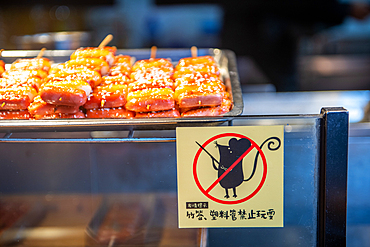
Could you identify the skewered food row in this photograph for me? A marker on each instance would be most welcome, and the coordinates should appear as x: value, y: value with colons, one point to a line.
x: 69, y: 85
x: 199, y: 88
x: 97, y: 83
x: 19, y: 86
x: 151, y: 94
x: 109, y: 98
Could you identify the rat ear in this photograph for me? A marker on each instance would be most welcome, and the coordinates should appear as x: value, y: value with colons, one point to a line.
x: 233, y: 143
x: 244, y: 143
x: 239, y: 146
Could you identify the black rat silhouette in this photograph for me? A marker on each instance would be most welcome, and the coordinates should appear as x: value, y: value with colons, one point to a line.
x: 231, y: 153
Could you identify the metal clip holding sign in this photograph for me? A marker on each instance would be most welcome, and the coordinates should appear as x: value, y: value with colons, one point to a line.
x: 333, y: 177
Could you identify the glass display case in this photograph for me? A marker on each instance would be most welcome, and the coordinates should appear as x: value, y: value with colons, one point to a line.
x: 112, y: 182
x: 118, y: 188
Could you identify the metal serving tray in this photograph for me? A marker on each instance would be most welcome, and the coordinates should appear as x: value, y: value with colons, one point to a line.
x: 225, y: 58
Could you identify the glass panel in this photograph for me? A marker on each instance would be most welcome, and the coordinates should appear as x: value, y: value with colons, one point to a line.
x: 301, y: 161
x: 65, y: 194
x: 358, y: 209
x: 89, y: 194
x: 45, y: 194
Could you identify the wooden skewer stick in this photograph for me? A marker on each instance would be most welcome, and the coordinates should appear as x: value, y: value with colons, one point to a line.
x: 194, y: 51
x: 153, y: 52
x: 106, y: 40
x: 41, y: 53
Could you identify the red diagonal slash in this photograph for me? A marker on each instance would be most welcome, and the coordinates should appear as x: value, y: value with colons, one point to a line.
x: 229, y: 169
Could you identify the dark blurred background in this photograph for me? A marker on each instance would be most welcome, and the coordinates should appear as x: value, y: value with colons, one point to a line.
x: 280, y: 45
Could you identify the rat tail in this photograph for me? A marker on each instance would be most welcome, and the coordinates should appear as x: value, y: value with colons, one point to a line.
x: 271, y: 139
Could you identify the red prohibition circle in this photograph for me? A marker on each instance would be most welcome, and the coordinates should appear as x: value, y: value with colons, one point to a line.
x: 254, y: 145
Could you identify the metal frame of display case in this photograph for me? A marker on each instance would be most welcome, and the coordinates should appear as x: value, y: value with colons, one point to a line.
x: 332, y: 201
x: 333, y: 178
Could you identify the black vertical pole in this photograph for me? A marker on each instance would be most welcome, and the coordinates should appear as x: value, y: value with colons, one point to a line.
x: 333, y: 177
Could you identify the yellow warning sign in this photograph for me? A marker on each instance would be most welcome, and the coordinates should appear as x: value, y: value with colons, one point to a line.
x: 230, y: 176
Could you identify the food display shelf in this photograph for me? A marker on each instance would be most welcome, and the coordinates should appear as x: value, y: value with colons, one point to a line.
x: 225, y: 58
